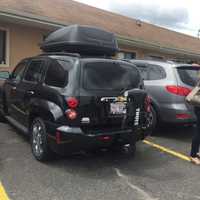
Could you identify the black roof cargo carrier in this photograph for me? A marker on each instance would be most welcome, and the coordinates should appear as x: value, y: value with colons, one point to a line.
x: 85, y: 40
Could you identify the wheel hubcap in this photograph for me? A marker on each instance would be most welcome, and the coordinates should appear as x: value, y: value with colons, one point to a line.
x: 150, y: 119
x: 37, y: 138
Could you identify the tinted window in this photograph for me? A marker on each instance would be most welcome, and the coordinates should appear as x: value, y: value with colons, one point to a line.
x: 156, y: 72
x: 189, y: 75
x: 4, y: 75
x: 143, y: 71
x: 126, y: 55
x: 57, y: 73
x: 110, y: 76
x: 19, y: 71
x: 34, y: 72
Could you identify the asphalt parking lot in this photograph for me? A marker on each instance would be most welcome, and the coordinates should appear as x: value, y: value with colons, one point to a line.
x: 151, y: 175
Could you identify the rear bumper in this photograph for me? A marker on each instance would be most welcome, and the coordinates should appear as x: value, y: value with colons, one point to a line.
x: 177, y: 113
x: 73, y: 139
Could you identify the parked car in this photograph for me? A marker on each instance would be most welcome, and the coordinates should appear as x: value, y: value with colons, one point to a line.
x: 168, y: 84
x: 3, y: 76
x: 67, y: 102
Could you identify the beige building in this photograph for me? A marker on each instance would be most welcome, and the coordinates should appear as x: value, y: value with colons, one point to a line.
x: 25, y: 23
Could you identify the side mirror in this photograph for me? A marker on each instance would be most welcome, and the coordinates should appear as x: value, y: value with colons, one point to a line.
x: 4, y: 75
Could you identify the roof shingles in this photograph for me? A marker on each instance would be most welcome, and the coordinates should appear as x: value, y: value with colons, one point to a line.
x: 70, y: 12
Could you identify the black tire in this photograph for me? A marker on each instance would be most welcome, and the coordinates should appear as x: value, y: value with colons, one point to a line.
x: 4, y: 112
x: 2, y: 119
x: 152, y: 121
x: 39, y: 140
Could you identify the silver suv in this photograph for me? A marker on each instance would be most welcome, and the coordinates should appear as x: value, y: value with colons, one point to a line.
x: 168, y: 84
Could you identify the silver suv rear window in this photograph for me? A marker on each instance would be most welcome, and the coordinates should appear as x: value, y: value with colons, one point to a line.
x: 189, y: 75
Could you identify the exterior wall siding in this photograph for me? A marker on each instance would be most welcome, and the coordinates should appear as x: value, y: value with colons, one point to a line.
x: 23, y: 42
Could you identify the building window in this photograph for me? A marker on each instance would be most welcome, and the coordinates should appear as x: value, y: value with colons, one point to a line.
x: 3, y: 47
x: 126, y: 55
x: 155, y: 57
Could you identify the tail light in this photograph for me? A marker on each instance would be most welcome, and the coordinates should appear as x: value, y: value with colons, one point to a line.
x: 148, y: 104
x: 183, y: 116
x: 71, y: 114
x: 178, y: 90
x: 72, y: 102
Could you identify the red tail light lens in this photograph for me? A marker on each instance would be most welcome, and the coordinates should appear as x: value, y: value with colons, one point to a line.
x: 148, y: 104
x: 183, y: 116
x: 72, y: 102
x: 71, y: 114
x: 178, y: 90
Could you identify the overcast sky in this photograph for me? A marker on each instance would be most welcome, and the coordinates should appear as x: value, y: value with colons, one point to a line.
x: 178, y: 15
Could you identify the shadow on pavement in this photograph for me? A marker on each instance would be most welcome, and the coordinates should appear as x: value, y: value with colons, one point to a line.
x: 99, y: 165
x: 102, y: 165
x: 178, y: 132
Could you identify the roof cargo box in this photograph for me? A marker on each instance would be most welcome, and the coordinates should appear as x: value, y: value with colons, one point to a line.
x: 85, y: 40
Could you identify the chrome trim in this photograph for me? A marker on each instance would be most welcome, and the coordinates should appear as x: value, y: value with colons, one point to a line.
x: 18, y: 109
x: 67, y: 129
x: 108, y: 98
x: 85, y: 120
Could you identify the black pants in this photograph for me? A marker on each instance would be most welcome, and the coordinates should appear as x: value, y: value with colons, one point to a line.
x: 196, y: 137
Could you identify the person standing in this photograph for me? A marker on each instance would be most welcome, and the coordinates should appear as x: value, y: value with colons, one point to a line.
x: 195, y: 156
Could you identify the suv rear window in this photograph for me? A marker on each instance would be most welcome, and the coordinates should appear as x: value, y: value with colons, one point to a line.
x: 189, y: 75
x: 110, y: 76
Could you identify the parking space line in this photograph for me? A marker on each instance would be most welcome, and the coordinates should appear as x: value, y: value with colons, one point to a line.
x: 3, y: 194
x: 143, y: 194
x: 169, y: 151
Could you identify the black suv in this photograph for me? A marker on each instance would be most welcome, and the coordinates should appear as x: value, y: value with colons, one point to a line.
x: 67, y: 103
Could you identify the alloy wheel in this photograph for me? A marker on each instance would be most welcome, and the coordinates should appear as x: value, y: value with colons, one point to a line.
x: 37, y: 140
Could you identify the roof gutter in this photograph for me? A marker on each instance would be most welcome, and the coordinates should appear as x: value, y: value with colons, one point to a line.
x: 156, y: 46
x: 30, y: 18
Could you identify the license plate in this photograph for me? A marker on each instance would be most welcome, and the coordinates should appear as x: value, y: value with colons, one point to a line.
x: 117, y: 108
